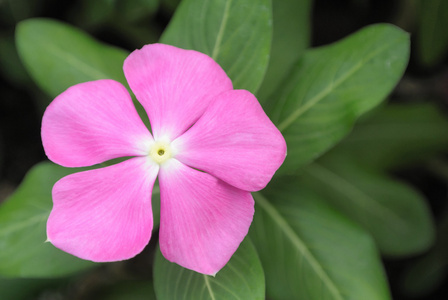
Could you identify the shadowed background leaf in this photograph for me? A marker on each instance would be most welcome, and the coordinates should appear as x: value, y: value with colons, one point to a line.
x: 432, y: 41
x: 127, y: 290
x: 396, y: 135
x: 396, y: 215
x: 25, y: 288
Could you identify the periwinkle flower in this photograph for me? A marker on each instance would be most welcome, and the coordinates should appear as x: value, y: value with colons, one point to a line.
x: 210, y: 147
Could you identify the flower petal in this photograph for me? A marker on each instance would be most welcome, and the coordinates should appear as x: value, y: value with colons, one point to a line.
x: 202, y: 219
x: 235, y: 141
x: 174, y: 86
x: 93, y: 122
x: 104, y: 214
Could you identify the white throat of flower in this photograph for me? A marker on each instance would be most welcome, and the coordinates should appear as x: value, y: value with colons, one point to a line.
x: 161, y: 151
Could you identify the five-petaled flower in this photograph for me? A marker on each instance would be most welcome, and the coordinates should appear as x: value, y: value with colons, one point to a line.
x: 210, y: 147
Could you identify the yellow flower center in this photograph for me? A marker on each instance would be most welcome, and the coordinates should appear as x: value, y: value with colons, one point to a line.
x: 160, y: 152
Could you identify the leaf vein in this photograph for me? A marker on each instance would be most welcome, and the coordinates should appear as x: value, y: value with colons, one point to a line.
x: 220, y: 35
x: 209, y: 288
x: 326, y: 91
x: 299, y: 244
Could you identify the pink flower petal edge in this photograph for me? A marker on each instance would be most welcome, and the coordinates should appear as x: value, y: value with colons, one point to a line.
x: 200, y: 124
x: 174, y: 85
x: 104, y: 214
x: 235, y: 141
x: 203, y: 220
x: 93, y: 122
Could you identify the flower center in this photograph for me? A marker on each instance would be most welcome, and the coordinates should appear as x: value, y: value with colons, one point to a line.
x: 160, y: 152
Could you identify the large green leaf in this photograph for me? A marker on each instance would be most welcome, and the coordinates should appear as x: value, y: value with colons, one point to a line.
x: 432, y: 38
x: 58, y: 55
x: 310, y: 251
x: 290, y: 38
x: 396, y: 135
x: 242, y: 278
x: 396, y: 215
x: 23, y: 216
x: 235, y: 33
x: 333, y: 85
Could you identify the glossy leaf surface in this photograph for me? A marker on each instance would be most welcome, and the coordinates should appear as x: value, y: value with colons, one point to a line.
x: 396, y: 135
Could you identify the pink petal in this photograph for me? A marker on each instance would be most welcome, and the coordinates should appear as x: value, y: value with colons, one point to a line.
x: 93, y: 122
x: 104, y: 214
x: 174, y: 86
x: 202, y: 219
x: 235, y: 141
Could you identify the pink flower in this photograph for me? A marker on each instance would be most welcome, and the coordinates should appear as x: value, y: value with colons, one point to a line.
x: 210, y: 146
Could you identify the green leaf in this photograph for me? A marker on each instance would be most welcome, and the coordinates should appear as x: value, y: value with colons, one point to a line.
x: 310, y: 251
x: 13, y: 11
x: 242, y: 278
x: 432, y: 41
x: 58, y: 55
x: 333, y: 85
x: 397, y: 216
x: 92, y: 14
x: 169, y: 5
x: 133, y: 11
x: 425, y: 276
x: 428, y: 272
x: 235, y: 33
x: 290, y: 38
x: 23, y: 217
x: 396, y: 135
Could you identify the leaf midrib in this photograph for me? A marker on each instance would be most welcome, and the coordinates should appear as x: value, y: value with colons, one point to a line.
x: 299, y: 244
x: 209, y: 288
x: 222, y: 26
